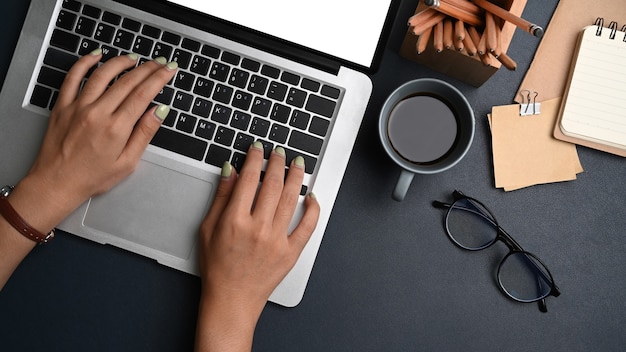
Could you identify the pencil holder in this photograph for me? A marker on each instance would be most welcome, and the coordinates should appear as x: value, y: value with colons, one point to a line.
x: 460, y: 64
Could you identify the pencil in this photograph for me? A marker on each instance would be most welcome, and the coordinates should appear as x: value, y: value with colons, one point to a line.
x: 459, y: 30
x: 428, y: 22
x: 490, y: 29
x: 481, y: 47
x: 455, y: 12
x: 422, y: 40
x: 448, y: 34
x: 467, y: 6
x: 470, y: 47
x: 509, y: 17
x: 507, y: 61
x: 498, y: 49
x: 438, y: 36
x: 421, y: 17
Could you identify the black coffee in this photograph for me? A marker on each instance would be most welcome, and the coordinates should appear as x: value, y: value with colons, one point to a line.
x: 422, y: 128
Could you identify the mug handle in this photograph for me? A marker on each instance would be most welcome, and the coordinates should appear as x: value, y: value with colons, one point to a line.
x: 402, y: 185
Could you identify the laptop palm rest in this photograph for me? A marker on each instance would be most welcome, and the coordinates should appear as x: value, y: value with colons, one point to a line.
x: 156, y: 207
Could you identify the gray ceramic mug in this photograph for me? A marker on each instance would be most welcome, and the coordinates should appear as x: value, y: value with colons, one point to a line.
x: 426, y: 126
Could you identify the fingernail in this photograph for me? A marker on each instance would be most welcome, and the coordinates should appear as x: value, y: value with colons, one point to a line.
x: 161, y: 60
x: 173, y: 65
x: 161, y: 112
x: 280, y: 151
x: 227, y: 169
x: 258, y: 145
x: 96, y: 52
x: 299, y: 161
x: 133, y: 56
x: 312, y: 195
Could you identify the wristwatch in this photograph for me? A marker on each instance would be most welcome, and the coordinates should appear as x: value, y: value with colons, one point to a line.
x: 7, y: 211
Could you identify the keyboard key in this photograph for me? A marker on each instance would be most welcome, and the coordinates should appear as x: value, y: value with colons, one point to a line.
x: 240, y: 120
x: 111, y: 18
x: 224, y: 136
x: 108, y: 53
x: 219, y: 71
x: 277, y: 91
x: 165, y: 96
x: 242, y: 100
x: 243, y: 142
x: 190, y: 44
x: 330, y: 92
x: 66, y: 20
x: 72, y: 5
x: 183, y: 58
x: 260, y: 127
x: 179, y: 143
x: 51, y: 77
x: 211, y: 51
x: 320, y: 106
x: 270, y: 71
x: 217, y: 155
x: 163, y: 50
x: 123, y: 39
x: 184, y: 80
x: 85, y: 26
x: 104, y: 33
x: 300, y: 119
x: 279, y: 133
x: 296, y: 97
x: 87, y: 46
x: 202, y: 107
x: 238, y: 160
x: 64, y: 40
x: 170, y: 38
x: 221, y: 114
x: 230, y: 58
x: 311, y: 85
x: 223, y: 93
x: 205, y: 129
x: 258, y: 84
x: 131, y: 25
x: 151, y: 32
x: 59, y: 59
x: 261, y: 107
x: 41, y: 96
x: 171, y: 118
x: 319, y: 126
x: 239, y: 78
x: 200, y: 65
x: 55, y: 96
x: 203, y: 87
x: 182, y: 101
x: 143, y: 46
x: 309, y: 161
x: 186, y: 123
x: 250, y: 65
x: 305, y: 142
x: 290, y: 78
x: 280, y: 113
x: 91, y: 11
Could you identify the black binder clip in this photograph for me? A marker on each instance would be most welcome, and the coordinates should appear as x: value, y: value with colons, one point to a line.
x: 529, y: 105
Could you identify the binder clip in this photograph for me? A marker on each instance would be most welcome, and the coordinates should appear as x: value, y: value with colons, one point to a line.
x: 529, y: 105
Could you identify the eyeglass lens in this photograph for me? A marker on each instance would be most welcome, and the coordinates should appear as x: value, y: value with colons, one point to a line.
x: 521, y: 275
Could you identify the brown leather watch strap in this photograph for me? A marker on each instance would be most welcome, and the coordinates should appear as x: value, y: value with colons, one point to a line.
x: 13, y: 218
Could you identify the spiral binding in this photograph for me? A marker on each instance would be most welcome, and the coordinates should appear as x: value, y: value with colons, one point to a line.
x: 612, y: 26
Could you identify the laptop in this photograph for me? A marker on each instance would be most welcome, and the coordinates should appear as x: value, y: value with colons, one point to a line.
x: 282, y: 72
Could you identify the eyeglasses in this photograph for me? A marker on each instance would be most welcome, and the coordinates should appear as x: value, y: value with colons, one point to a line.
x: 470, y: 225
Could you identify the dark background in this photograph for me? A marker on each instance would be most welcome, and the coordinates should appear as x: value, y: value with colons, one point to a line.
x: 386, y: 277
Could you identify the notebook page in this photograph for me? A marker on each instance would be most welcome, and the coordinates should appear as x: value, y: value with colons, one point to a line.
x: 595, y: 108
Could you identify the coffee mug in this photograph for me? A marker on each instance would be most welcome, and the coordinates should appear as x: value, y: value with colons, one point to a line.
x: 426, y: 126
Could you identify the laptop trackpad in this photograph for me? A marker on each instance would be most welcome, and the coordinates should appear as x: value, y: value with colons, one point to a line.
x: 156, y: 207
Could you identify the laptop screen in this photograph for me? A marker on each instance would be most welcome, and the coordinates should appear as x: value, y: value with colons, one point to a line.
x: 347, y: 29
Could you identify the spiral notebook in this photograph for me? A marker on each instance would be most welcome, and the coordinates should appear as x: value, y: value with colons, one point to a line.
x: 593, y: 111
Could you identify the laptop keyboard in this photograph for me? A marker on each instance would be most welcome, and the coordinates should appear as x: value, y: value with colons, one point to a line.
x: 220, y: 101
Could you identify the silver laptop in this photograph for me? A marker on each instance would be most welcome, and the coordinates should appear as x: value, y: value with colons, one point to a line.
x: 286, y: 73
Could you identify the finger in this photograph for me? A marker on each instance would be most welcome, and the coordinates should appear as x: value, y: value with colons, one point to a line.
x: 248, y: 181
x: 135, y: 101
x: 272, y: 186
x: 143, y: 132
x: 74, y: 78
x: 303, y: 231
x: 222, y: 198
x: 135, y: 80
x: 290, y: 195
x: 102, y: 77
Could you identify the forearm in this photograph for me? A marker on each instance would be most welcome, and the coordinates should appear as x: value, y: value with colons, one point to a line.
x: 225, y: 324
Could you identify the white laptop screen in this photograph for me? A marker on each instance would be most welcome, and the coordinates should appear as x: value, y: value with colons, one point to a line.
x: 347, y: 29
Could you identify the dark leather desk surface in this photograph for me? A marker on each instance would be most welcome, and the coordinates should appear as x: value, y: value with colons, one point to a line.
x: 386, y: 278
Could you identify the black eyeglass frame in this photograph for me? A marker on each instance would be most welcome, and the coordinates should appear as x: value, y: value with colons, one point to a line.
x: 505, y: 237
